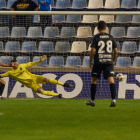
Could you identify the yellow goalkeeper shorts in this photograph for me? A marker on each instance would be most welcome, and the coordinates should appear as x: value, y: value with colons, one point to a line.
x: 37, y: 79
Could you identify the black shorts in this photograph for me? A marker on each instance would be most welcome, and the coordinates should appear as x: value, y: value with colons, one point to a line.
x: 108, y: 70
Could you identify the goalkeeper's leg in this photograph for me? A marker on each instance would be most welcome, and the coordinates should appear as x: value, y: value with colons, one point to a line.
x: 53, y: 81
x: 48, y: 93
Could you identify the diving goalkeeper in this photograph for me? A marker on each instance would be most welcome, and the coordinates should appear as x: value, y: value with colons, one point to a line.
x: 22, y: 75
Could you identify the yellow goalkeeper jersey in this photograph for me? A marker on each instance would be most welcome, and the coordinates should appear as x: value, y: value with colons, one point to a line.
x: 21, y: 74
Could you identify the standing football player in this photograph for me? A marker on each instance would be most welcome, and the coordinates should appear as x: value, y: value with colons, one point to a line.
x: 104, y: 50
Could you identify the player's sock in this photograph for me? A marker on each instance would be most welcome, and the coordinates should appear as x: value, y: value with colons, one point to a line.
x: 113, y: 90
x: 93, y: 91
x: 2, y: 86
x: 49, y: 93
x: 52, y: 81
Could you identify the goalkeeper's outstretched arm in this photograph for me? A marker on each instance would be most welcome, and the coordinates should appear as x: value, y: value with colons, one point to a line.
x: 5, y: 65
x: 31, y: 64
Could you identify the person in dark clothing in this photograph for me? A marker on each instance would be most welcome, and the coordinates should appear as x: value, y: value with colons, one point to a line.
x: 24, y: 5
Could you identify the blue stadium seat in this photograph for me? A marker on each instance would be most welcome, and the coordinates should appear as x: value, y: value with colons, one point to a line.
x: 138, y: 49
x: 2, y: 4
x: 6, y: 59
x: 51, y: 32
x: 62, y: 46
x: 12, y: 46
x: 5, y: 19
x: 112, y: 4
x: 58, y: 18
x: 36, y: 1
x: 138, y: 6
x: 123, y: 62
x: 118, y: 46
x: 123, y: 19
x: 129, y: 47
x: 1, y: 46
x: 34, y: 32
x: 23, y: 59
x: 136, y: 61
x: 45, y: 46
x: 90, y: 19
x: 10, y: 3
x: 56, y: 61
x: 18, y: 32
x: 4, y: 32
x: 136, y: 19
x: 85, y: 62
x: 95, y: 4
x: 78, y: 47
x: 133, y: 32
x: 73, y: 19
x: 107, y: 18
x: 41, y: 64
x: 128, y: 4
x: 28, y: 46
x: 36, y: 19
x: 67, y: 32
x: 62, y: 4
x: 117, y: 32
x: 73, y: 61
x: 79, y: 4
x: 84, y: 32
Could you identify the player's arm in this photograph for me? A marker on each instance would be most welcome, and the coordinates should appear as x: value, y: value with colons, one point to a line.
x: 6, y: 74
x: 5, y: 65
x: 30, y: 64
x: 92, y: 52
x: 115, y: 55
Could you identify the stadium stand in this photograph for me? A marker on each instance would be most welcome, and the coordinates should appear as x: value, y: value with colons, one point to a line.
x: 118, y: 46
x: 4, y: 32
x: 62, y: 47
x: 58, y: 19
x: 136, y: 61
x: 95, y: 4
x: 2, y: 4
x: 10, y: 3
x: 6, y: 59
x: 123, y: 62
x: 90, y: 19
x: 107, y: 18
x: 85, y: 62
x: 96, y: 31
x: 12, y: 46
x: 117, y: 32
x: 23, y: 59
x: 36, y: 19
x: 29, y: 46
x: 73, y: 19
x: 73, y: 61
x: 67, y: 32
x: 1, y: 47
x: 45, y: 46
x: 56, y: 61
x: 123, y: 19
x: 128, y: 4
x: 42, y: 64
x: 136, y: 19
x: 51, y: 32
x: 112, y: 4
x: 84, y: 32
x: 62, y: 4
x: 34, y: 32
x: 79, y: 4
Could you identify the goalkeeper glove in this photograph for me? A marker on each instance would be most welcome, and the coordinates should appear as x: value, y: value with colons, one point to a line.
x: 42, y: 58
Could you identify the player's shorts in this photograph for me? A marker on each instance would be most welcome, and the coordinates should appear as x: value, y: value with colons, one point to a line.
x: 107, y: 69
x: 37, y: 79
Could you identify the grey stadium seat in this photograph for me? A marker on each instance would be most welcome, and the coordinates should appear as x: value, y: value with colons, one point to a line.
x: 41, y: 64
x: 62, y: 46
x: 62, y: 4
x: 23, y: 59
x: 34, y: 32
x: 123, y: 19
x: 12, y: 46
x: 2, y: 4
x: 4, y: 32
x: 136, y: 19
x: 45, y: 46
x: 28, y: 46
x: 73, y: 19
x: 73, y: 61
x: 1, y: 47
x: 136, y: 62
x: 117, y: 32
x: 128, y: 4
x: 67, y: 32
x: 56, y: 61
x: 6, y: 59
x: 58, y: 18
x: 51, y: 32
x: 79, y: 4
x: 123, y: 62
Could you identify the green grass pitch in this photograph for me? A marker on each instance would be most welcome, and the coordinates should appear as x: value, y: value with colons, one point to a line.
x: 69, y: 119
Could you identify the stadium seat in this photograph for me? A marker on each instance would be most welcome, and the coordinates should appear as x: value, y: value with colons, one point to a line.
x: 128, y: 4
x: 136, y: 61
x: 62, y: 46
x: 117, y: 32
x: 6, y: 59
x: 23, y: 59
x: 2, y: 4
x: 138, y: 6
x: 58, y: 18
x: 18, y: 32
x: 73, y: 61
x: 107, y: 18
x: 78, y: 47
x: 56, y: 61
x: 112, y: 4
x: 36, y: 1
x: 95, y: 4
x: 62, y: 4
x: 4, y: 32
x: 89, y: 48
x: 51, y: 32
x: 129, y: 47
x: 45, y: 46
x: 36, y: 19
x: 123, y: 19
x: 10, y: 3
x: 136, y: 19
x: 79, y: 4
x: 133, y: 32
x: 12, y: 46
x: 118, y: 46
x: 85, y: 62
x: 90, y: 19
x: 67, y: 32
x: 73, y: 19
x: 1, y: 46
x: 34, y: 32
x: 41, y: 64
x: 5, y: 19
x: 96, y: 31
x: 138, y: 49
x: 84, y: 32
x: 123, y: 62
x: 28, y: 46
